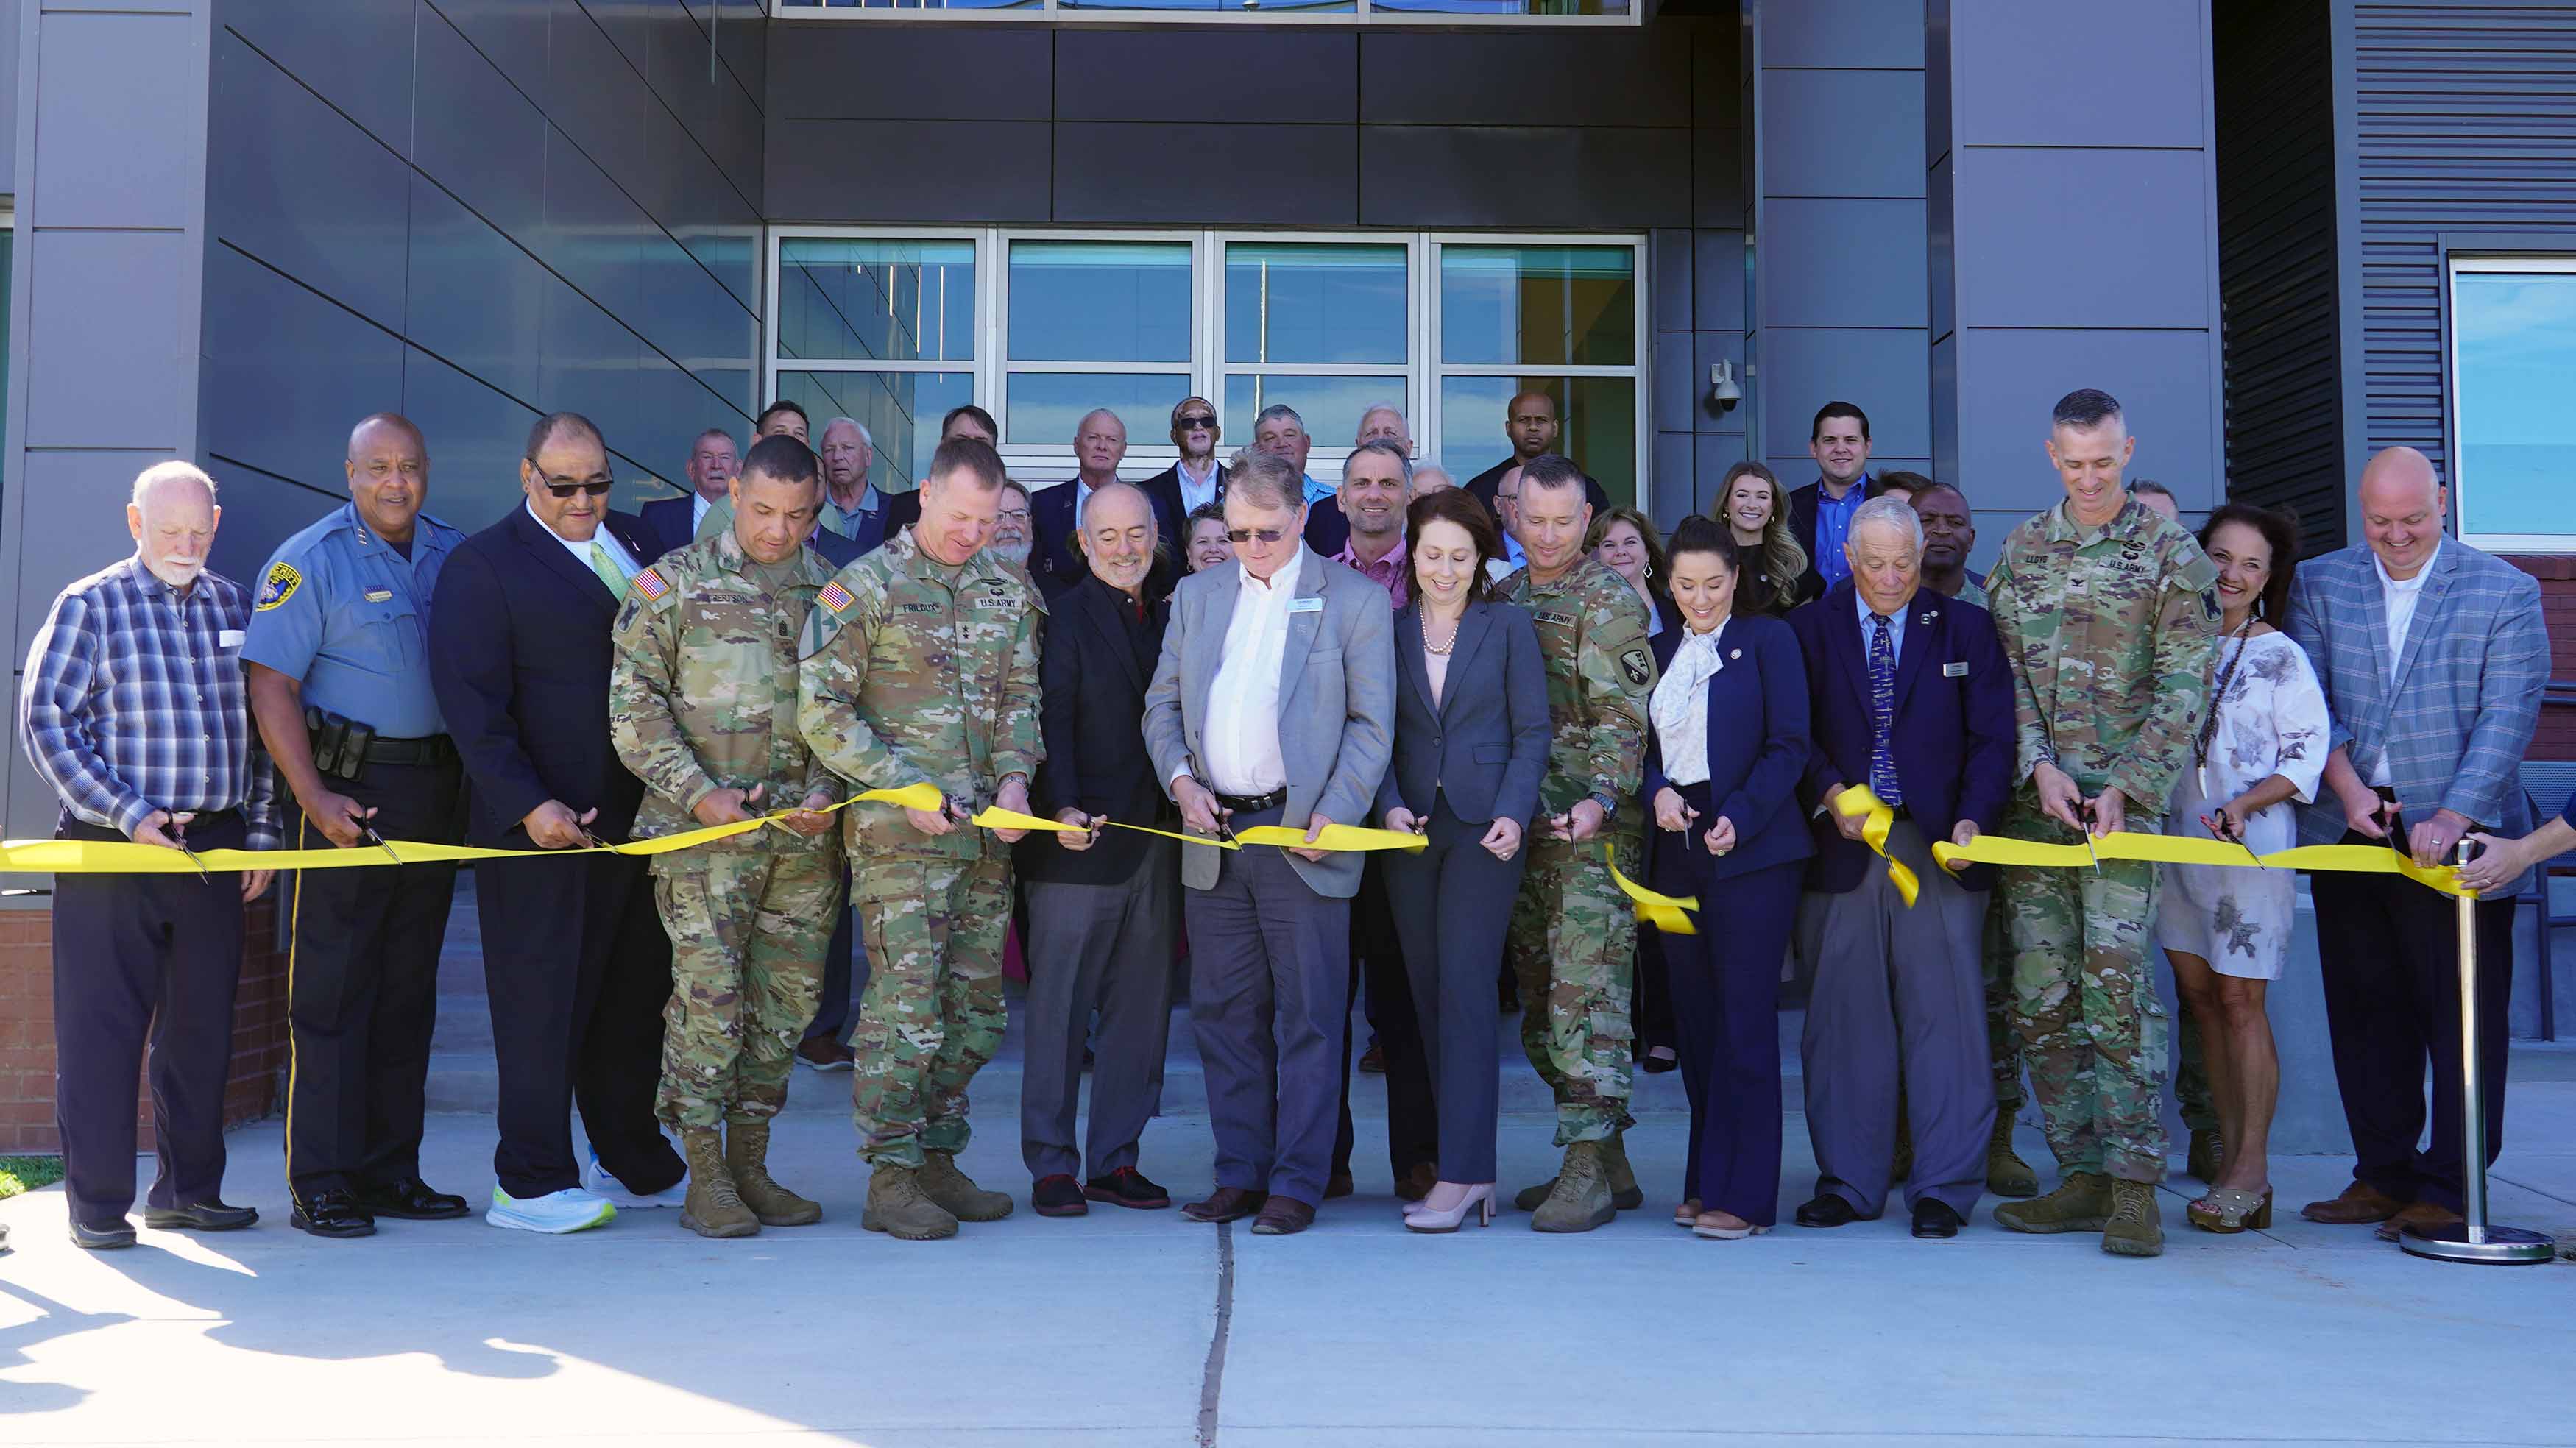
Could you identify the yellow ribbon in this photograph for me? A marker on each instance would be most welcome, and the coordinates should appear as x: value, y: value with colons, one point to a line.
x: 87, y: 857
x: 1664, y: 912
x: 1859, y: 799
x: 2187, y: 850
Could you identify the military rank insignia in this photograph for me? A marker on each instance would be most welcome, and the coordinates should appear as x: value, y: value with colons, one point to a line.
x: 1638, y: 666
x: 651, y: 584
x: 277, y: 587
x: 835, y: 597
x: 2209, y: 604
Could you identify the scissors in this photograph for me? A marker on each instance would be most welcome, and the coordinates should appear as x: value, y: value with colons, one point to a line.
x: 379, y: 842
x: 2225, y: 829
x: 179, y: 831
x: 2087, y: 833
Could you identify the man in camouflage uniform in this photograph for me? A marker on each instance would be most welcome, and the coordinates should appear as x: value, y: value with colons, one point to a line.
x: 921, y: 664
x: 703, y: 710
x: 1572, y: 944
x: 2109, y: 614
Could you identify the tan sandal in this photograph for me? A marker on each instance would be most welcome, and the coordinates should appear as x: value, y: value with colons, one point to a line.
x: 2227, y: 1211
x: 1687, y: 1214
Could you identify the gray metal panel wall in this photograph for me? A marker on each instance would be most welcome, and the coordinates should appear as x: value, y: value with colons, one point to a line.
x: 2273, y: 67
x: 2463, y: 120
x: 473, y: 212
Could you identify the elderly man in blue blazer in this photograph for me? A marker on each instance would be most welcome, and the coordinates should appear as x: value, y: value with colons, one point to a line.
x: 1272, y: 703
x: 2434, y: 657
x: 1910, y: 695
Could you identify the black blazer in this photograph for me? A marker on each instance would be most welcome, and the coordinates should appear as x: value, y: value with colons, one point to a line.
x: 1802, y: 522
x: 519, y: 655
x: 1094, y: 673
x: 1165, y: 489
x: 1485, y: 484
x: 665, y: 526
x: 1757, y: 753
x: 1951, y: 731
x: 1485, y: 744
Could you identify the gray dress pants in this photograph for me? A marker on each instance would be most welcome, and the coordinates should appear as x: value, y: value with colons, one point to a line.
x: 1106, y: 948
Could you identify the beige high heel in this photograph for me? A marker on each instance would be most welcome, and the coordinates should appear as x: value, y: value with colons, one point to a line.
x: 1479, y: 1199
x: 2227, y: 1211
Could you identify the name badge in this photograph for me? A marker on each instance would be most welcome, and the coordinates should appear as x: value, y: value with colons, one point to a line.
x: 1954, y: 671
x: 1305, y: 605
x: 229, y: 638
x: 379, y: 595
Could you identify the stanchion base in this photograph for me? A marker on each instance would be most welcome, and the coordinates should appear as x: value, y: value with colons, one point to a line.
x: 2502, y: 1245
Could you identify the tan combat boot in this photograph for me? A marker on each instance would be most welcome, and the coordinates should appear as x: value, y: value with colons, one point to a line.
x: 713, y: 1208
x: 956, y: 1192
x: 897, y: 1207
x: 2007, y: 1175
x: 1581, y: 1200
x: 2137, y: 1226
x: 2207, y: 1155
x: 1625, y: 1194
x: 2081, y: 1203
x: 1530, y: 1198
x: 747, y: 1158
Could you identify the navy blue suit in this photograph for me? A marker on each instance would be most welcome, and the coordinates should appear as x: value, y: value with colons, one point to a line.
x: 574, y: 957
x: 1725, y: 980
x: 1951, y: 732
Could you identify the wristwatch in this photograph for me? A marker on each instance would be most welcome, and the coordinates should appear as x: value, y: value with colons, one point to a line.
x: 1609, y: 805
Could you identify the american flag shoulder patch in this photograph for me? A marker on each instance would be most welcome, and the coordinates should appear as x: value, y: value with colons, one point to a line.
x: 651, y: 584
x: 836, y: 598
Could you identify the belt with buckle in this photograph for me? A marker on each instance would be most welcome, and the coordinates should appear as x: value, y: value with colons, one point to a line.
x: 429, y: 749
x: 1253, y: 803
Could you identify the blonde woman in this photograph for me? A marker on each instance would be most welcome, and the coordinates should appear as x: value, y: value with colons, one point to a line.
x: 1755, y: 510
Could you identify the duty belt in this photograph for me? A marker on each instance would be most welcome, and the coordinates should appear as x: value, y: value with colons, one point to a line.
x: 429, y: 749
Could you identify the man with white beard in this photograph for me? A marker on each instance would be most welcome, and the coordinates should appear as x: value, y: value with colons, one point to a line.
x: 136, y: 712
x: 1011, y: 528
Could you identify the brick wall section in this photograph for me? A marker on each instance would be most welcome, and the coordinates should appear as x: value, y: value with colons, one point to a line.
x: 2556, y: 737
x: 27, y: 1030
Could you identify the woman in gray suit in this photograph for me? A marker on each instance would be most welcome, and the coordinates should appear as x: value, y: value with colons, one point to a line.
x: 1471, y: 740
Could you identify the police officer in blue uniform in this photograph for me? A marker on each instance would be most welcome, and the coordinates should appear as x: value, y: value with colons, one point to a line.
x: 339, y: 685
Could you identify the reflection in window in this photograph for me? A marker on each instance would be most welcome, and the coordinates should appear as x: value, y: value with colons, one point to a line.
x: 1329, y: 406
x: 1045, y: 408
x: 1539, y: 304
x: 1596, y: 425
x: 885, y: 301
x: 1099, y: 301
x: 1504, y: 7
x: 2515, y: 335
x: 900, y: 410
x: 1327, y: 304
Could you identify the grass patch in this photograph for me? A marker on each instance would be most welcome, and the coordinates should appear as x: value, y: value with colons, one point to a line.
x: 27, y: 1173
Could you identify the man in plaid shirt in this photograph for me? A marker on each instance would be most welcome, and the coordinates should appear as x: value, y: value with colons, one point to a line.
x: 134, y: 710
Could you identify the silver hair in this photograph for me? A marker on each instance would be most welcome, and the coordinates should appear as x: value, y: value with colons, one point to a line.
x: 854, y: 422
x: 1445, y: 475
x: 1267, y: 480
x: 1893, y: 512
x: 1383, y: 448
x: 1275, y: 411
x: 173, y: 471
x: 1084, y: 421
x: 1374, y: 408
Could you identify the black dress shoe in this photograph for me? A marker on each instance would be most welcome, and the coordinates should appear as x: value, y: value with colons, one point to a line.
x: 333, y: 1214
x: 1127, y: 1187
x: 118, y: 1233
x: 1830, y: 1210
x: 1226, y: 1204
x: 1935, y: 1219
x: 1058, y: 1196
x: 411, y: 1201
x: 1339, y: 1184
x: 206, y: 1216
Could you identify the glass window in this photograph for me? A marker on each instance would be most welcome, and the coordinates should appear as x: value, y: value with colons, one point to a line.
x: 1100, y: 301
x: 1596, y: 425
x: 1046, y: 407
x: 900, y: 410
x: 884, y: 301
x: 1315, y: 304
x: 1569, y: 305
x: 2514, y: 335
x: 1503, y: 7
x: 1329, y: 406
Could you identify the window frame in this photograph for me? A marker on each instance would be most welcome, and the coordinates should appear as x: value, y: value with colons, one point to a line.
x: 2554, y: 255
x: 1049, y: 12
x: 1149, y: 447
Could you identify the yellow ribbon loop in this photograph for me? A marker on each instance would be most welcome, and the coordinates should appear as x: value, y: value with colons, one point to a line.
x: 1859, y: 799
x: 1666, y: 913
x: 2186, y: 850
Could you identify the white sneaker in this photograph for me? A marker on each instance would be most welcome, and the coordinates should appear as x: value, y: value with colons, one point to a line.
x: 569, y: 1210
x: 600, y: 1182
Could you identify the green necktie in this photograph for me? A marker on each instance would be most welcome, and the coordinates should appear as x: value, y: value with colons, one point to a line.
x: 606, y: 567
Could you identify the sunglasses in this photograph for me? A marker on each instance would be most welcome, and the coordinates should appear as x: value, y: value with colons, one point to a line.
x: 1245, y: 535
x: 566, y: 490
x: 1195, y: 422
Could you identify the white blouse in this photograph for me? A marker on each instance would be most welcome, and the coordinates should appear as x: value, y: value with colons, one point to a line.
x: 1680, y: 705
x: 2272, y: 720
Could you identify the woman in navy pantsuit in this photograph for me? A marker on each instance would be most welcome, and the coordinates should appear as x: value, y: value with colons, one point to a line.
x: 1471, y: 741
x: 1722, y: 767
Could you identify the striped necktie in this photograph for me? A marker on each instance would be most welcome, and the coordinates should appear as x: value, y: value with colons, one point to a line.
x: 1882, y: 711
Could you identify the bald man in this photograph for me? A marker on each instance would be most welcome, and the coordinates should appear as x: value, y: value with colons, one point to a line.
x: 1530, y: 425
x: 2434, y: 658
x: 1056, y: 513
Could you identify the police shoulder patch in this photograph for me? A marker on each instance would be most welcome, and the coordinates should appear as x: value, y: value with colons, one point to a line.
x: 1639, y: 666
x: 277, y: 587
x: 652, y: 585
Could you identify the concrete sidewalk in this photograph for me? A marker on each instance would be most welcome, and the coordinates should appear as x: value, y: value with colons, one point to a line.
x: 1138, y: 1328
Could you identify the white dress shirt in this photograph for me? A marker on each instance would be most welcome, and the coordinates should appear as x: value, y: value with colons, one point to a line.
x: 1242, y: 735
x: 2398, y: 597
x: 1895, y: 631
x: 1680, y: 705
x: 1196, y: 493
x: 697, y: 511
x: 580, y: 551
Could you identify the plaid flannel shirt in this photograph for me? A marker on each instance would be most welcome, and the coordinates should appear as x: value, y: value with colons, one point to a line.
x: 135, y: 700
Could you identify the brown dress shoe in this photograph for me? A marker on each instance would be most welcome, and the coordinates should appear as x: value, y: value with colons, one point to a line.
x: 2360, y: 1203
x: 1416, y: 1184
x: 1339, y: 1184
x: 1283, y: 1217
x: 1226, y: 1204
x: 2427, y: 1215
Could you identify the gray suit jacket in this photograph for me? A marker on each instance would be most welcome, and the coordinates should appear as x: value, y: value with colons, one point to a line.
x: 1485, y: 743
x: 1336, y: 704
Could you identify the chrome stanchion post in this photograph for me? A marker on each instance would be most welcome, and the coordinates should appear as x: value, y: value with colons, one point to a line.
x: 2471, y: 1239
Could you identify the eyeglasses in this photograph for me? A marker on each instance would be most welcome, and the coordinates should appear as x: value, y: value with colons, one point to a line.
x: 565, y: 490
x: 1195, y: 422
x: 1246, y: 535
